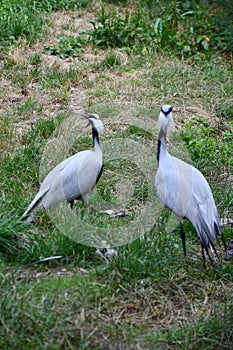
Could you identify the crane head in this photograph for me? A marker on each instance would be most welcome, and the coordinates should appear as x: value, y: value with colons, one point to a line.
x: 165, y: 120
x: 95, y: 122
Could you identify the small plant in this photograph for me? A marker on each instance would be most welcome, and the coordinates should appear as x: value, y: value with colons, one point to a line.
x: 58, y: 5
x: 6, y: 135
x: 68, y: 46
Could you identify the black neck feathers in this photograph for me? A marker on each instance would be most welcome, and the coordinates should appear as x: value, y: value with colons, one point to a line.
x: 95, y: 136
x: 158, y: 150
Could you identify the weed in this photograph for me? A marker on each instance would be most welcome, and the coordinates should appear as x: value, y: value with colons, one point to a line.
x: 17, y: 74
x: 222, y: 19
x: 202, y: 335
x: 12, y: 240
x: 68, y: 46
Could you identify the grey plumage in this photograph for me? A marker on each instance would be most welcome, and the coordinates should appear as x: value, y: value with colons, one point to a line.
x: 72, y: 179
x: 184, y: 190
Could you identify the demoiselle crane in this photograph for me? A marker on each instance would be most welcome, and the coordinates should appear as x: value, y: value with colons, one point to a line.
x: 184, y: 190
x: 72, y: 179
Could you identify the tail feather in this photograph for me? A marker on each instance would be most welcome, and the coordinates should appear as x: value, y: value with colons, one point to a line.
x: 209, y: 234
x: 36, y: 201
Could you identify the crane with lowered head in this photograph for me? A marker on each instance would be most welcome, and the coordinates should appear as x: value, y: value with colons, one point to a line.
x: 184, y: 190
x: 72, y: 179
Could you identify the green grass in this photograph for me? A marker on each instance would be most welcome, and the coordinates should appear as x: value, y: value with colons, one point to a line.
x: 27, y: 18
x: 19, y: 19
x: 145, y: 296
x: 56, y: 79
x: 82, y: 310
x: 144, y: 285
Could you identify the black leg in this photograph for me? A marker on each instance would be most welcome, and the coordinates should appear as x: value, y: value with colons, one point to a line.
x: 207, y: 251
x: 71, y: 204
x: 224, y: 243
x: 182, y: 235
x: 203, y: 256
x: 203, y: 249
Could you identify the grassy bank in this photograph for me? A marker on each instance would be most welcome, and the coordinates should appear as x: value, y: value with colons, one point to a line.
x: 66, y: 63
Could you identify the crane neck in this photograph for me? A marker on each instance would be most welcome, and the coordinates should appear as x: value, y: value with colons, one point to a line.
x: 162, y: 143
x: 95, y: 137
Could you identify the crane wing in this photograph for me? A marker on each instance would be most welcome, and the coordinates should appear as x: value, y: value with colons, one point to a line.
x: 203, y: 212
x: 174, y: 184
x: 51, y: 191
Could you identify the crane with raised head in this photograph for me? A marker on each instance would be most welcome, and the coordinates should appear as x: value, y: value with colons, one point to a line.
x: 184, y: 190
